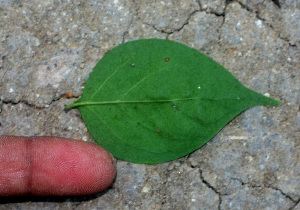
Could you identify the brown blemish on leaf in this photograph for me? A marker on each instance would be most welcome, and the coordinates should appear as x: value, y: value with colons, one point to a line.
x: 157, y: 130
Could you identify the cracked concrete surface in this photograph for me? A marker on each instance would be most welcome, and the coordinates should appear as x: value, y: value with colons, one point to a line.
x: 49, y: 48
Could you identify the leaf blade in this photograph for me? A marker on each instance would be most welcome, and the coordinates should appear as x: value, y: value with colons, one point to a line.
x: 158, y: 100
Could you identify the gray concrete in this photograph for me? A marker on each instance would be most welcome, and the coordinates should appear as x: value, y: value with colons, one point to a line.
x: 48, y: 48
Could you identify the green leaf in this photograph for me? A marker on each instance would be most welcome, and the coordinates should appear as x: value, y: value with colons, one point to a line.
x: 151, y: 101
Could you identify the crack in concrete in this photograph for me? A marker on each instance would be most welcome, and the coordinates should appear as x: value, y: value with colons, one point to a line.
x: 201, y: 9
x: 227, y: 2
x: 284, y: 194
x: 222, y: 14
x: 293, y: 207
x: 204, y: 181
x: 126, y: 31
x: 212, y: 188
x: 270, y: 187
x: 247, y: 183
x: 135, y: 14
x: 218, y: 14
x: 277, y: 3
x: 296, y: 202
x: 172, y: 30
x: 257, y: 14
x: 201, y: 6
x: 27, y: 103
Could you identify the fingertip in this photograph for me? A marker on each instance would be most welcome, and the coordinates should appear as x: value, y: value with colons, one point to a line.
x: 106, y: 169
x: 54, y: 166
x: 72, y: 167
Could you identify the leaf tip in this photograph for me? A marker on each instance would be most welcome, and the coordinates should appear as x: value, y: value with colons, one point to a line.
x: 273, y: 102
x: 276, y: 103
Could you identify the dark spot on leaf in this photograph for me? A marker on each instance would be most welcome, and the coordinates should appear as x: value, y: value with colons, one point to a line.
x: 167, y: 59
x: 157, y: 130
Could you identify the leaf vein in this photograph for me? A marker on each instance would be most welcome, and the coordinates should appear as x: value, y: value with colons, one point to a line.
x: 87, y: 103
x: 149, y: 75
x: 108, y: 78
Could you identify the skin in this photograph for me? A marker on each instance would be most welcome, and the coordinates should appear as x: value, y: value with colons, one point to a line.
x: 52, y: 166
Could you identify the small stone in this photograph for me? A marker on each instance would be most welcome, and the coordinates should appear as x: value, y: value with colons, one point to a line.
x: 146, y: 189
x: 81, y: 65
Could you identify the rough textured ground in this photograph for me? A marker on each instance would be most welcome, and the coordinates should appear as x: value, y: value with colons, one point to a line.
x: 48, y: 48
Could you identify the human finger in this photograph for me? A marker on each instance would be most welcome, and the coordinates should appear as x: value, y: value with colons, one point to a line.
x: 53, y: 166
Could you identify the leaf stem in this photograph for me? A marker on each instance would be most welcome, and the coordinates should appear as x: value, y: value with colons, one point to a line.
x: 125, y: 102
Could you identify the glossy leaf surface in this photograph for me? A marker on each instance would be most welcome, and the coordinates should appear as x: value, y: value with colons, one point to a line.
x: 151, y: 101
